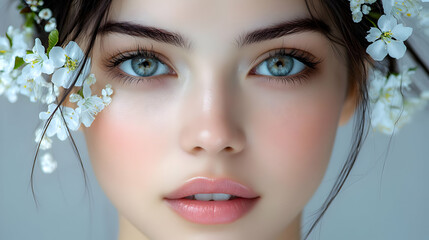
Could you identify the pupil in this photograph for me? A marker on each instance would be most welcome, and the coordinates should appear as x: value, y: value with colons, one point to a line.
x: 280, y: 65
x: 144, y: 66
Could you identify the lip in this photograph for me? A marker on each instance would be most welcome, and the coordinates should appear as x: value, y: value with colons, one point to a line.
x: 209, y: 185
x: 212, y: 212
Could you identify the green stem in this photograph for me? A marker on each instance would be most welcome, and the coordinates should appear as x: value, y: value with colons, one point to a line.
x: 374, y: 15
x: 373, y: 23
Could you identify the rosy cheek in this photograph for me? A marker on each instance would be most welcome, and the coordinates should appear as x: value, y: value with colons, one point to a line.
x: 123, y: 148
x: 297, y: 141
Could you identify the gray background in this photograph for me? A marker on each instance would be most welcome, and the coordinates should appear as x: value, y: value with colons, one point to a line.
x: 385, y: 197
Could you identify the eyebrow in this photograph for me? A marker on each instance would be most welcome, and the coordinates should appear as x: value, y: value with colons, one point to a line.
x: 283, y: 29
x: 176, y: 39
x: 132, y: 29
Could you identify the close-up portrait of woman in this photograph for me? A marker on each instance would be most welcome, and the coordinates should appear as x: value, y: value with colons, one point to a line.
x: 214, y: 120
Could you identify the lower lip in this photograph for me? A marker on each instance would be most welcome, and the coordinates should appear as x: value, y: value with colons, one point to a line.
x: 212, y: 212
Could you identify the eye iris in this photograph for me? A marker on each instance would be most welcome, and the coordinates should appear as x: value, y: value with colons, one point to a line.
x: 280, y: 65
x: 144, y: 66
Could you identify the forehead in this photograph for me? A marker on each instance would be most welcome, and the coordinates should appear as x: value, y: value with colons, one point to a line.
x: 208, y: 19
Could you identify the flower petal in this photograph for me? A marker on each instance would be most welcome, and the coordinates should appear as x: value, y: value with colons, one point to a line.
x: 52, y: 128
x: 30, y: 57
x: 373, y: 34
x: 48, y: 66
x: 58, y: 56
x: 73, y: 51
x: 60, y: 77
x: 377, y: 50
x: 401, y: 33
x: 86, y: 91
x: 38, y: 47
x: 71, y: 118
x: 84, y: 74
x: 61, y: 132
x: 87, y: 119
x: 387, y: 6
x: 4, y: 44
x: 75, y: 97
x: 386, y: 23
x: 396, y: 49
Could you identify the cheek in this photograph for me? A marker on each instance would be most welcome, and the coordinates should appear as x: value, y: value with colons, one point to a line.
x: 295, y: 135
x: 123, y: 147
x: 300, y: 140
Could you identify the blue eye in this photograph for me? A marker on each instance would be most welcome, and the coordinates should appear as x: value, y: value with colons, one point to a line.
x: 141, y: 66
x: 280, y: 65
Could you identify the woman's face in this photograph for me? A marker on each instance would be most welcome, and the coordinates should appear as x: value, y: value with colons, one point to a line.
x: 209, y: 102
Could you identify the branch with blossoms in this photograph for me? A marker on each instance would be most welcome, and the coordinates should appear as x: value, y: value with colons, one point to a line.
x: 40, y: 73
x: 390, y: 108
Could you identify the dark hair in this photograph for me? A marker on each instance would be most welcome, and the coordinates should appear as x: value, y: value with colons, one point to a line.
x: 73, y: 17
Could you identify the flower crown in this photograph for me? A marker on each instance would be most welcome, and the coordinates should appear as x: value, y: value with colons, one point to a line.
x: 25, y: 72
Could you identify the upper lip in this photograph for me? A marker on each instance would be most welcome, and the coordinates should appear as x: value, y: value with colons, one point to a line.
x: 208, y: 185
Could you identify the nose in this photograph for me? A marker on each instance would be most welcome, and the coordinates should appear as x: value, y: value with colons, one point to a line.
x: 211, y: 122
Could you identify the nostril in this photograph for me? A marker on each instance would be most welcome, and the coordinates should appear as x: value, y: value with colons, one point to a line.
x: 228, y: 149
x: 197, y: 149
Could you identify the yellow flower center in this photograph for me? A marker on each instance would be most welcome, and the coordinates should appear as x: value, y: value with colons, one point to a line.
x: 71, y: 64
x: 387, y: 34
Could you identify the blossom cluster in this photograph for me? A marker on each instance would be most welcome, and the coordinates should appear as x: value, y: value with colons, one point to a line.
x: 360, y: 7
x: 390, y: 107
x: 40, y: 74
x: 40, y: 14
x: 25, y: 72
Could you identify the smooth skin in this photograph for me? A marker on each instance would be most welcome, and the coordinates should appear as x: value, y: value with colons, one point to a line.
x: 213, y: 118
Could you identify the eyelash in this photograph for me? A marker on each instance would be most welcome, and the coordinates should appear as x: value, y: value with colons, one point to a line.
x: 306, y: 58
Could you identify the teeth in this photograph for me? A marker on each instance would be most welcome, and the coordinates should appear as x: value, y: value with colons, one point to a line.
x: 211, y: 196
x: 203, y: 196
x: 221, y: 196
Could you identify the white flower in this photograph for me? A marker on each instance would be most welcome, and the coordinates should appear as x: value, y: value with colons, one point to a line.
x: 7, y: 60
x: 366, y: 9
x: 9, y: 85
x: 39, y: 63
x: 382, y: 87
x: 409, y: 8
x: 9, y: 52
x: 360, y: 7
x: 88, y: 105
x: 106, y: 93
x: 51, y: 95
x: 45, y: 14
x: 390, y: 110
x: 34, y: 4
x: 51, y: 25
x: 57, y: 125
x: 38, y: 89
x: 21, y: 38
x: 388, y: 38
x: 46, y: 142
x: 26, y: 33
x: 74, y: 59
x: 396, y: 117
x: 48, y: 164
x: 34, y: 89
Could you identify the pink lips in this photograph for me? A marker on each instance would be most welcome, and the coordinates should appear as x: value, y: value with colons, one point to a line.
x: 212, y: 212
